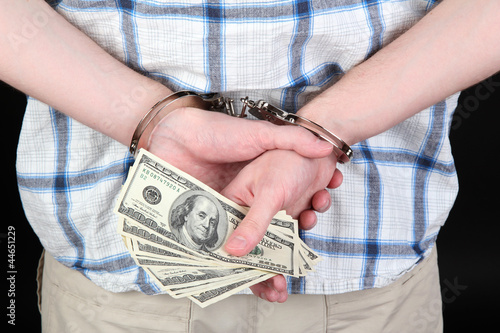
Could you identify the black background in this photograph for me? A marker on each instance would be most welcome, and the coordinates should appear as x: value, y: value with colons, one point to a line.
x: 467, y: 245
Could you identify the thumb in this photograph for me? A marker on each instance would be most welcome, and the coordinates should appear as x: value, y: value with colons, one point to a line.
x: 298, y: 139
x: 252, y: 229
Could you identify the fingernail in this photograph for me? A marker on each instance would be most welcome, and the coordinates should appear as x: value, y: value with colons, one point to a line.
x: 325, y: 206
x: 263, y: 296
x: 236, y: 243
x: 323, y: 145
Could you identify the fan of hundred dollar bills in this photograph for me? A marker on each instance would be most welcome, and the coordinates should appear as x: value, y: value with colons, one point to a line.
x: 175, y: 228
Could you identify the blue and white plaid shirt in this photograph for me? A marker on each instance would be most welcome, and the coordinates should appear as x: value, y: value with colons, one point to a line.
x: 397, y: 191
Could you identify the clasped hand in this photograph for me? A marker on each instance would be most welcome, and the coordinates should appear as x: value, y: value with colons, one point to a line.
x: 256, y: 164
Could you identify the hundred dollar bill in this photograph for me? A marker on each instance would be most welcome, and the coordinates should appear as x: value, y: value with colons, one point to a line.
x: 170, y: 207
x: 129, y: 230
x: 192, y: 276
x: 186, y: 291
x: 159, y: 250
x: 175, y: 227
x: 145, y: 253
x: 218, y: 293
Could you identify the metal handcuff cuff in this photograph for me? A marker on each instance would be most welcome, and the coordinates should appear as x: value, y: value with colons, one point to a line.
x: 260, y: 110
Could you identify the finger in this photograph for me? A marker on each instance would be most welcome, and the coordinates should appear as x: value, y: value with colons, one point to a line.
x: 272, y: 290
x: 337, y: 179
x: 252, y: 228
x: 321, y: 201
x: 264, y: 291
x: 307, y: 219
x: 304, y: 142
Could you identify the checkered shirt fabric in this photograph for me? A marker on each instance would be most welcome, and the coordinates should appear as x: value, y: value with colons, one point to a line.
x: 397, y: 191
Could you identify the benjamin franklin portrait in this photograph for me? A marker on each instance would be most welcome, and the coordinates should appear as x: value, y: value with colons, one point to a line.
x: 198, y: 221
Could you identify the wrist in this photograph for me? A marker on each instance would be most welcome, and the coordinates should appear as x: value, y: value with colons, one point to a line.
x: 264, y: 110
x: 167, y: 105
x: 325, y: 112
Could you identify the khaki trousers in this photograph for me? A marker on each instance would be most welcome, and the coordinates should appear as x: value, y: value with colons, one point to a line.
x: 71, y: 303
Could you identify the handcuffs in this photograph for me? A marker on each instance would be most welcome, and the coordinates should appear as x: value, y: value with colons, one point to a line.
x: 261, y: 110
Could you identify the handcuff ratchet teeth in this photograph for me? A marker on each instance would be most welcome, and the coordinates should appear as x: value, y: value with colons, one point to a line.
x: 266, y: 111
x: 260, y: 110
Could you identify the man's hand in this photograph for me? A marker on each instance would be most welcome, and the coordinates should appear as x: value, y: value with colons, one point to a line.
x: 275, y: 181
x: 272, y: 290
x: 214, y: 147
x: 254, y: 163
x: 279, y: 180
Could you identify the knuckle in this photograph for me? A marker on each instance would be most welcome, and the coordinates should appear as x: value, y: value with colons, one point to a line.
x: 254, y: 227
